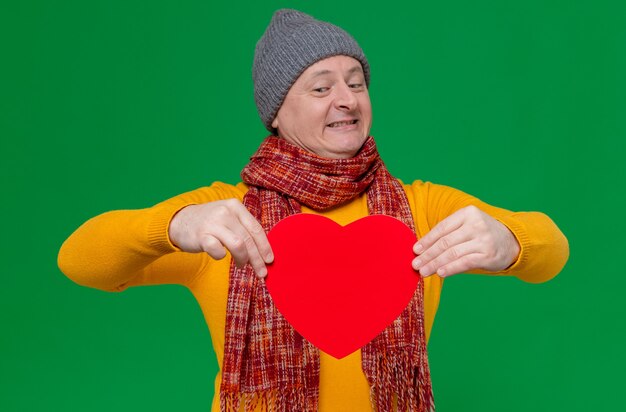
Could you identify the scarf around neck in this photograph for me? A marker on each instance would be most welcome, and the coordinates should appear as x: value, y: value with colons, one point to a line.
x: 266, y: 362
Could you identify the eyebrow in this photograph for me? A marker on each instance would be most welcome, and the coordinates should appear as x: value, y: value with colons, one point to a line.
x: 354, y: 69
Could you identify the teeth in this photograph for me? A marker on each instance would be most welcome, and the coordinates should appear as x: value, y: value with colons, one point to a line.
x: 339, y: 124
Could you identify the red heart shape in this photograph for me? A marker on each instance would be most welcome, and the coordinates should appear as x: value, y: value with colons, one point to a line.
x: 340, y: 286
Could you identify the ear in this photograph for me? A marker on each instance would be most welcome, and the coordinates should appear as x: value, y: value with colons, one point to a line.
x: 275, y: 123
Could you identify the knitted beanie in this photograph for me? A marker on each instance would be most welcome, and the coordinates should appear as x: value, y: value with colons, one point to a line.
x: 292, y: 42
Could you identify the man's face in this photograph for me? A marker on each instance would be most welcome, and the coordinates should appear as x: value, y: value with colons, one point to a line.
x: 327, y: 110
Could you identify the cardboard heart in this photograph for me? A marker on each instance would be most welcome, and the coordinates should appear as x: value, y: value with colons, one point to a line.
x: 340, y: 286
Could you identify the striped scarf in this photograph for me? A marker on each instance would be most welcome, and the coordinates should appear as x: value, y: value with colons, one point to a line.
x: 266, y: 362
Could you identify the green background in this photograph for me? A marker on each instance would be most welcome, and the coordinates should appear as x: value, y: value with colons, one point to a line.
x: 121, y: 104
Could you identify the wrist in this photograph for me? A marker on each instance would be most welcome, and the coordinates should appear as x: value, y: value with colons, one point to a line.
x: 175, y: 227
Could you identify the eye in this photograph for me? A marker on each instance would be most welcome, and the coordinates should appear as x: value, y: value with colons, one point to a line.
x: 356, y: 85
x: 321, y: 89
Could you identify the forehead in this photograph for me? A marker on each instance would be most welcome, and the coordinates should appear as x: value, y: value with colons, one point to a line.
x: 339, y: 65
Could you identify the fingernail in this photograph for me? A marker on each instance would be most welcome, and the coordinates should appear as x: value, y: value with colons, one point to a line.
x: 418, y: 248
x: 269, y: 258
x: 417, y: 263
x: 262, y: 273
x: 441, y: 272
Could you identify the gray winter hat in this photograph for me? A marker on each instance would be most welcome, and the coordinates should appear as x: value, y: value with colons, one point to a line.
x: 292, y: 42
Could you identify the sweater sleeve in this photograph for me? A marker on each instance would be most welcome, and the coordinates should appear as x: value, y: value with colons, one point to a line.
x: 544, y: 248
x: 123, y: 248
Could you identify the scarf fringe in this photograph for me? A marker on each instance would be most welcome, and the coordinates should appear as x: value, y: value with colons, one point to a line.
x: 389, y: 390
x: 286, y: 400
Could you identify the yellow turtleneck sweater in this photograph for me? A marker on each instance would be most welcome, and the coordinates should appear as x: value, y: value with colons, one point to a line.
x: 125, y: 248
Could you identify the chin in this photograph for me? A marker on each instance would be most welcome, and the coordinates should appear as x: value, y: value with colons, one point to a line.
x: 346, y: 148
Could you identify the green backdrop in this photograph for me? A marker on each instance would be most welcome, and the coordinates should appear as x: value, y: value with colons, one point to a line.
x: 121, y: 104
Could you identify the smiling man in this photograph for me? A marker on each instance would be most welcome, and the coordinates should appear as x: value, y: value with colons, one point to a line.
x: 311, y: 89
x: 327, y: 110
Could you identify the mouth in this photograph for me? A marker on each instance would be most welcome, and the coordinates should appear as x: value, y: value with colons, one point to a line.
x: 342, y: 123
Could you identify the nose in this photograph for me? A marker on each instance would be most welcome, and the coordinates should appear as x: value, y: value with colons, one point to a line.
x: 344, y: 97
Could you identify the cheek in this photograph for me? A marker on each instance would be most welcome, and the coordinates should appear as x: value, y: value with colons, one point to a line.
x: 288, y: 119
x: 315, y: 116
x: 366, y: 106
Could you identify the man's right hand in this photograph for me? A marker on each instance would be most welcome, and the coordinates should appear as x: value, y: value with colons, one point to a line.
x: 211, y: 227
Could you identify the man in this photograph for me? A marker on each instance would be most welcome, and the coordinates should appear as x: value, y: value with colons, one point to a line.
x: 311, y: 88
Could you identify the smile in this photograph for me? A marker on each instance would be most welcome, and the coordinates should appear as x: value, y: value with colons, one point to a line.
x: 343, y: 123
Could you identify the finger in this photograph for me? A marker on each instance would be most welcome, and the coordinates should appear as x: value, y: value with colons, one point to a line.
x: 455, y: 253
x: 234, y: 243
x: 254, y: 228
x: 444, y: 227
x: 252, y: 252
x: 442, y: 245
x: 212, y: 247
x: 462, y: 265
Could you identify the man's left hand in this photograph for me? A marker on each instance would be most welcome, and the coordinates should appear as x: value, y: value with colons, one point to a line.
x: 468, y: 239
